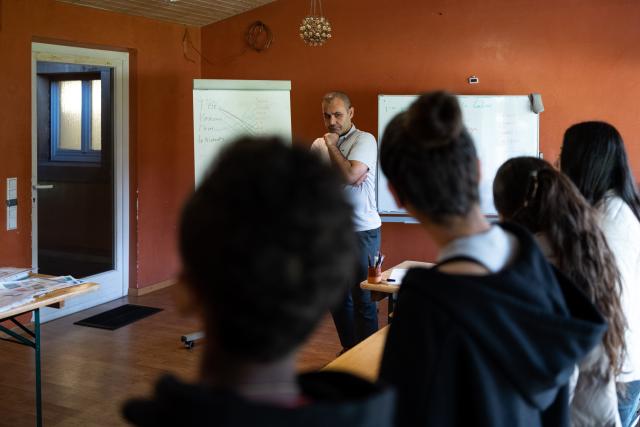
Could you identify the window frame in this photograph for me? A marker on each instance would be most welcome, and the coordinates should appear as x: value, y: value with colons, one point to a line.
x: 86, y: 153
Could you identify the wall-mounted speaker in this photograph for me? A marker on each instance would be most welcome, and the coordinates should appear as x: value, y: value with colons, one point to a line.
x: 536, y: 103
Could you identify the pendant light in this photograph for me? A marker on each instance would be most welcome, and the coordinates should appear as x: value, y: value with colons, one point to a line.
x: 315, y: 28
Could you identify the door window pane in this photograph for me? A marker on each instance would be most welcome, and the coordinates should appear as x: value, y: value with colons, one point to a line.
x: 96, y: 115
x: 70, y: 115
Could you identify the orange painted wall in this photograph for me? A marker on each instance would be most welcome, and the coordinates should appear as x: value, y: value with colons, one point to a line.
x: 583, y: 56
x: 161, y: 122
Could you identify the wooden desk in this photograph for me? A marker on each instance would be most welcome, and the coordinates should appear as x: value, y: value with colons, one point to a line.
x: 384, y: 289
x: 31, y: 338
x: 364, y: 359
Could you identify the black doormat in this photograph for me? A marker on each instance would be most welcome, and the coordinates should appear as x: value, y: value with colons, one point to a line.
x: 118, y: 317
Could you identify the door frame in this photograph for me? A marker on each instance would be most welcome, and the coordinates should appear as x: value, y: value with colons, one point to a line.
x: 119, y: 61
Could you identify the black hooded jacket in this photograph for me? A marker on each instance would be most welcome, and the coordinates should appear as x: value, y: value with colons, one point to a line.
x: 494, y: 350
x: 334, y: 399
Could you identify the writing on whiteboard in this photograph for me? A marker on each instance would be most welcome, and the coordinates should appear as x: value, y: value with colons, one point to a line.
x: 501, y: 127
x: 221, y: 116
x: 218, y: 123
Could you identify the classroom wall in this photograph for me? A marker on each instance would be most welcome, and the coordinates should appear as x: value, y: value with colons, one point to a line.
x: 581, y: 55
x: 161, y: 122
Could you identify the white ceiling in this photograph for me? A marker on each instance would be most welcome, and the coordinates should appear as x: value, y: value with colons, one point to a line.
x: 189, y: 12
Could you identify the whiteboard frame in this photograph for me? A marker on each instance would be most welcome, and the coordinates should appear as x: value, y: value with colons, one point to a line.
x: 402, y: 215
x: 215, y: 84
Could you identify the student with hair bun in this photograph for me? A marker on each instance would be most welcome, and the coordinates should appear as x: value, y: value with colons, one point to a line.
x: 530, y: 192
x: 491, y: 335
x: 594, y: 157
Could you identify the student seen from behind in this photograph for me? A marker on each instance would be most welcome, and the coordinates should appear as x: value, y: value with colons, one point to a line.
x: 267, y: 250
x: 594, y: 157
x: 529, y: 192
x: 490, y: 335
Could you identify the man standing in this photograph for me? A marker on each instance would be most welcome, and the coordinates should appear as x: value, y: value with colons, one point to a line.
x: 354, y: 153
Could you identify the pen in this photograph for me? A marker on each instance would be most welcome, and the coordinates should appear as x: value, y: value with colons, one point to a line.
x: 391, y: 280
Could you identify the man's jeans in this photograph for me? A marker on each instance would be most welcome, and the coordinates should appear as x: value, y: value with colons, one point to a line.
x: 356, y: 317
x: 628, y: 404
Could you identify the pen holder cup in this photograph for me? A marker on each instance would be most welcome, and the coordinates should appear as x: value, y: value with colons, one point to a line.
x: 374, y: 274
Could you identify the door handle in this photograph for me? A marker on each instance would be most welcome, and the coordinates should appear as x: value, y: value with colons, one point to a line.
x: 43, y: 187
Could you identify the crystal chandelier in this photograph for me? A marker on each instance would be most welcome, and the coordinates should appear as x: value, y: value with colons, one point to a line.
x: 315, y: 28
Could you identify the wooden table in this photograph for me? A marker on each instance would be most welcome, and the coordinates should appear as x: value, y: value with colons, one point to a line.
x: 364, y: 359
x: 31, y: 338
x: 384, y: 289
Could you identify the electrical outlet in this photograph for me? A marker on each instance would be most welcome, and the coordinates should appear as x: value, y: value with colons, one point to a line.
x: 12, y: 203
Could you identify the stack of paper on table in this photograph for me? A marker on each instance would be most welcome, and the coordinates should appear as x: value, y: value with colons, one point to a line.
x: 8, y: 274
x: 19, y: 292
x: 396, y: 276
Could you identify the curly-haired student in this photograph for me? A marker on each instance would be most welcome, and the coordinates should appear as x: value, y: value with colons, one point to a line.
x: 530, y: 192
x: 267, y: 249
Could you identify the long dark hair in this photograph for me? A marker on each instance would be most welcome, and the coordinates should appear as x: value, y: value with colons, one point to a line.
x: 529, y: 191
x: 429, y: 158
x: 593, y: 156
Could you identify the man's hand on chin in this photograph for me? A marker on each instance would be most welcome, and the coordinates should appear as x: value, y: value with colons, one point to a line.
x: 331, y: 138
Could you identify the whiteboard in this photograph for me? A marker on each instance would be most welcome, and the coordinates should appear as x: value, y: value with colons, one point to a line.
x: 502, y: 127
x: 224, y: 110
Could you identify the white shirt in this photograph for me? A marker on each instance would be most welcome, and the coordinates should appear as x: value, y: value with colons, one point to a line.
x: 622, y: 231
x: 362, y: 147
x: 494, y: 248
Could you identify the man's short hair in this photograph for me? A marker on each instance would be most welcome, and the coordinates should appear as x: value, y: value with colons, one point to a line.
x: 340, y: 95
x: 267, y: 245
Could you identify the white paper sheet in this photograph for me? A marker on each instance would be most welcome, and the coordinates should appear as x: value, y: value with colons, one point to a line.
x: 16, y: 293
x: 397, y: 274
x: 8, y: 274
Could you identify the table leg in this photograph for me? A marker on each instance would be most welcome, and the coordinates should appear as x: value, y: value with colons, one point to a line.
x: 36, y: 315
x: 34, y: 343
x: 390, y: 306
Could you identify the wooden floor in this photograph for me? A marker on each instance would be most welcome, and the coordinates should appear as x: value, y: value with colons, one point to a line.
x: 88, y: 372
